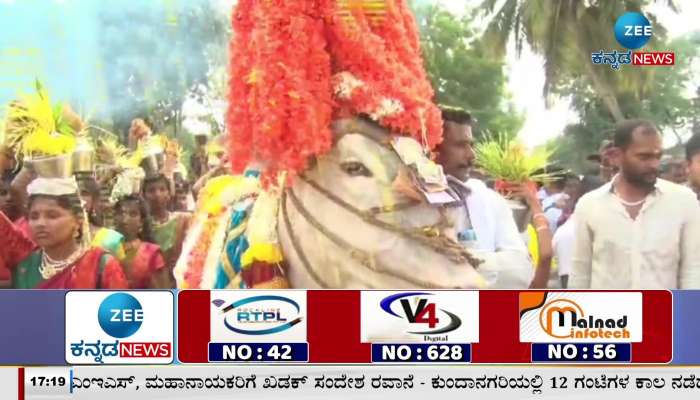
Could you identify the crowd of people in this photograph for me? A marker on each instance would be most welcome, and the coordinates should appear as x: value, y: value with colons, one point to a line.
x: 633, y: 225
x: 85, y: 231
x: 623, y: 228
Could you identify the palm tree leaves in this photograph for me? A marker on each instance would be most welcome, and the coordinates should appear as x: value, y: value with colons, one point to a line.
x: 505, y: 21
x: 565, y: 33
x: 462, y: 70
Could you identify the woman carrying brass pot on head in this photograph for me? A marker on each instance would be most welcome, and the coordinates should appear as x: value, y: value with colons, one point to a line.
x: 44, y: 134
x: 64, y: 260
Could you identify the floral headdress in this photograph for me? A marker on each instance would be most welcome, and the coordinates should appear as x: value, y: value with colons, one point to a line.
x: 296, y: 65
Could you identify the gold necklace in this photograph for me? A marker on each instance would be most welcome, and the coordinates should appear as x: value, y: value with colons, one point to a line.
x: 50, y: 267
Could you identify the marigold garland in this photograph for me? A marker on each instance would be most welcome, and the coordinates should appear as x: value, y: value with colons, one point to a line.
x: 283, y: 59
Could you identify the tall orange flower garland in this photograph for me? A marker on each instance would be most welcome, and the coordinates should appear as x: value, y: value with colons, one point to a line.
x: 288, y: 61
x: 280, y: 99
x: 386, y: 57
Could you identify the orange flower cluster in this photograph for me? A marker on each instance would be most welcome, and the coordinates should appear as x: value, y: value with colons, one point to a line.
x: 286, y: 57
x: 198, y: 256
x: 386, y: 58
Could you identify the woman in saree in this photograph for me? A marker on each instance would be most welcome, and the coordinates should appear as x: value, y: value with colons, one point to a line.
x: 63, y: 260
x: 169, y: 227
x: 143, y: 264
x: 16, y: 246
x: 107, y: 239
x: 9, y: 213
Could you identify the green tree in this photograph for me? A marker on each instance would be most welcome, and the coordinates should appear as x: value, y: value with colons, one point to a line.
x: 462, y: 72
x: 565, y: 33
x: 663, y: 101
x: 154, y: 52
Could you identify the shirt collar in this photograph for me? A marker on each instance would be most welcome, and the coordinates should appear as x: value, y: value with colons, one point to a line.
x: 464, y: 185
x: 658, y: 189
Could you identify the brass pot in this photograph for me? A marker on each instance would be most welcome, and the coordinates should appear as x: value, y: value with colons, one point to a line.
x: 521, y: 213
x: 83, y: 160
x: 153, y: 163
x: 134, y: 185
x: 52, y: 167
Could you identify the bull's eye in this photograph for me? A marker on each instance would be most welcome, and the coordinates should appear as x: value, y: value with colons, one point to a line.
x: 355, y: 168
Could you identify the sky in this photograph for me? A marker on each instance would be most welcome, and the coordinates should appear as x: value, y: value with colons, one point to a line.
x: 526, y: 74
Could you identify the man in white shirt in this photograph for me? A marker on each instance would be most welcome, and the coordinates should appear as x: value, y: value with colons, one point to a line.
x: 692, y: 158
x: 564, y: 238
x: 486, y: 222
x: 563, y: 246
x: 637, y: 231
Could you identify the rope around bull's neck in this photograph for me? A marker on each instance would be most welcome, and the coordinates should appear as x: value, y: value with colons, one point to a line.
x: 427, y: 236
x: 362, y: 257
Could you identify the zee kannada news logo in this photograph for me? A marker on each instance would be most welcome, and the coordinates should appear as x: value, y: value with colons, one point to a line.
x: 422, y: 312
x: 633, y: 30
x: 260, y: 315
x: 120, y: 315
x: 565, y: 319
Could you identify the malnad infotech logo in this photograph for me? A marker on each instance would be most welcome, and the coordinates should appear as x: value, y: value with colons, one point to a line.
x: 633, y: 31
x: 565, y: 318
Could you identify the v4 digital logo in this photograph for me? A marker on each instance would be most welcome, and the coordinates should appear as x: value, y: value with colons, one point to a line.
x: 417, y: 309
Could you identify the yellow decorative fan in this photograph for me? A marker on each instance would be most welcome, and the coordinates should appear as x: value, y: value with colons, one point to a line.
x: 36, y: 128
x: 110, y: 152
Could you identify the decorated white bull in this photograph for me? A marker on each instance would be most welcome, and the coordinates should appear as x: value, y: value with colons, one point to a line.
x: 330, y: 102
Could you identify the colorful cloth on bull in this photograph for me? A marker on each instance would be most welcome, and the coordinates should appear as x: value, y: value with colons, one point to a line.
x: 349, y: 58
x: 233, y: 240
x: 94, y: 270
